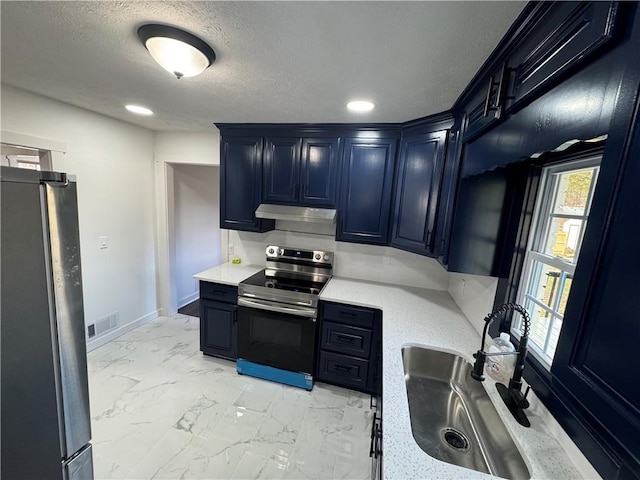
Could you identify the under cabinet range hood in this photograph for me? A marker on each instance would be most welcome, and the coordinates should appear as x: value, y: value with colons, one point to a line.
x: 296, y: 214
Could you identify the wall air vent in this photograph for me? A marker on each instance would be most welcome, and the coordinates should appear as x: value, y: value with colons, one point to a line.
x: 106, y: 324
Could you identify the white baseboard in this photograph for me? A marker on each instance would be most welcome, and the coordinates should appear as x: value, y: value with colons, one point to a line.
x: 192, y: 297
x: 98, y: 342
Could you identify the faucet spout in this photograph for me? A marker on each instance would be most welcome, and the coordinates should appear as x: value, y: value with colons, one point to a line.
x: 512, y: 395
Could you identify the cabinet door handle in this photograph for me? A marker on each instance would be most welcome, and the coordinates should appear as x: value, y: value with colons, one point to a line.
x: 429, y: 235
x: 373, y: 435
x: 500, y: 95
x: 487, y: 101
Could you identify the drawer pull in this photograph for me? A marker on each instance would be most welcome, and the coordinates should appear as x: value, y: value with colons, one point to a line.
x: 342, y: 368
x: 219, y: 292
x: 348, y: 314
x: 345, y: 338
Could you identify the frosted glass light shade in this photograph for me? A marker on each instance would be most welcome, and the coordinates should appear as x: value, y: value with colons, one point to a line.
x: 177, y: 51
x: 179, y: 58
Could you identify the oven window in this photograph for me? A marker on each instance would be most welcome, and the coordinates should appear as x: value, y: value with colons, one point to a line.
x: 276, y: 340
x: 276, y: 332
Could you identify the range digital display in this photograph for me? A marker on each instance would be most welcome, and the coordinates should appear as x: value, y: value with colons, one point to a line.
x: 298, y: 254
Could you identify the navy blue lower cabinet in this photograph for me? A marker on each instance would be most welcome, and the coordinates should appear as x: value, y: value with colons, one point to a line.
x: 418, y: 179
x: 241, y: 184
x: 218, y: 329
x: 367, y: 182
x: 350, y: 347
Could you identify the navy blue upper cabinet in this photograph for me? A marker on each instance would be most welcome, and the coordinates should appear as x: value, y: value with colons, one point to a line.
x: 319, y: 171
x: 417, y: 189
x: 562, y: 36
x: 281, y: 170
x: 549, y: 45
x: 240, y: 184
x: 300, y: 171
x: 485, y: 108
x: 365, y: 201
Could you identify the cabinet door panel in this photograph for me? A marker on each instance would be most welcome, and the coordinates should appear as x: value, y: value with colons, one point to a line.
x: 564, y: 35
x: 366, y: 190
x: 319, y: 171
x: 417, y: 188
x: 240, y: 184
x: 595, y: 358
x: 218, y: 329
x: 281, y: 170
x: 484, y: 109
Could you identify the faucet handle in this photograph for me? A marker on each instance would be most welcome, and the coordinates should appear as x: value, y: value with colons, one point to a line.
x: 478, y: 367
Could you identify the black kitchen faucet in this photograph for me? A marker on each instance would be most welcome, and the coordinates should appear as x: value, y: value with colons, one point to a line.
x: 512, y: 395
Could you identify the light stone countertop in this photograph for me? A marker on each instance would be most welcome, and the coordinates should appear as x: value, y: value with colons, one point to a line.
x: 414, y: 316
x: 228, y: 273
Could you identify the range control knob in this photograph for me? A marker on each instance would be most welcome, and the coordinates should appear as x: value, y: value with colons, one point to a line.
x: 271, y: 251
x: 326, y: 257
x: 280, y: 251
x: 318, y: 256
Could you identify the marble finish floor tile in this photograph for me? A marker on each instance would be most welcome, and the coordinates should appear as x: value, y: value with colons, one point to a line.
x: 161, y: 409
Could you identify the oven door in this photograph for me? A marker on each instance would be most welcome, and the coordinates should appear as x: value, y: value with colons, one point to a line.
x: 277, y: 335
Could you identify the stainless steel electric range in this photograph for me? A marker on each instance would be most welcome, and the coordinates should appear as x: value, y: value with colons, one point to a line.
x: 277, y: 313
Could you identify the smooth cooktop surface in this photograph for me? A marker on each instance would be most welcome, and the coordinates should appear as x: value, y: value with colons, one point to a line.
x: 261, y: 279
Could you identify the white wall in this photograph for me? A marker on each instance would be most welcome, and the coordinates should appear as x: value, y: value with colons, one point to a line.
x: 366, y: 262
x: 196, y: 194
x: 113, y: 162
x: 170, y: 150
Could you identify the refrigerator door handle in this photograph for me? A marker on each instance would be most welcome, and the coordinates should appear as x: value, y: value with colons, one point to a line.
x: 68, y: 318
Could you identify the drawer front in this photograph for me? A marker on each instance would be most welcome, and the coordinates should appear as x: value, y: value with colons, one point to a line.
x: 219, y: 292
x: 346, y: 339
x: 359, y: 317
x: 342, y: 370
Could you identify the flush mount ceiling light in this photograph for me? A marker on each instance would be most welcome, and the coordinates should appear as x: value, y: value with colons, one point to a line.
x: 139, y: 110
x: 360, y: 106
x: 177, y: 51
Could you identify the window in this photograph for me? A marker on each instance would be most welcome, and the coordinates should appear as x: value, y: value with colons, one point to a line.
x: 560, y: 219
x: 24, y: 157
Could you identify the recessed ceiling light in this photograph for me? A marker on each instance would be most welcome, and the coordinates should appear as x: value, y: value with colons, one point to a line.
x: 139, y: 110
x: 360, y: 106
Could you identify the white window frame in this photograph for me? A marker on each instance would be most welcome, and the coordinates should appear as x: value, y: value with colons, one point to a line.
x: 540, y: 225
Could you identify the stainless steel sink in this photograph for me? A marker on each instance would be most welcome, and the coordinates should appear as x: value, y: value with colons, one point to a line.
x: 452, y: 417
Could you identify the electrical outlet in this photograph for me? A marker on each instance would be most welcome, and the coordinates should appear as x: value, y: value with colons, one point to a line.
x: 231, y: 249
x: 103, y: 241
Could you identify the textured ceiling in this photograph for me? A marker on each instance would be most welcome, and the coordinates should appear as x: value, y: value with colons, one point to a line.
x: 277, y: 61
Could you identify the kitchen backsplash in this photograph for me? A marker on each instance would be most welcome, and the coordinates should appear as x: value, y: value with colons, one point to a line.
x: 474, y: 295
x: 366, y: 262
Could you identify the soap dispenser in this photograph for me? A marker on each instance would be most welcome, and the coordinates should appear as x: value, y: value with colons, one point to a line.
x: 500, y: 367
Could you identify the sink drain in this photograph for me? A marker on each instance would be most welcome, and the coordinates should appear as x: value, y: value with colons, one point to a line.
x: 455, y: 439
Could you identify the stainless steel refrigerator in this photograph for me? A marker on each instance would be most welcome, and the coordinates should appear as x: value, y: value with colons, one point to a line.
x: 45, y: 420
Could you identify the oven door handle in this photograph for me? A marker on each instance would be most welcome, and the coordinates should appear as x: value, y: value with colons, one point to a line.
x: 275, y: 307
